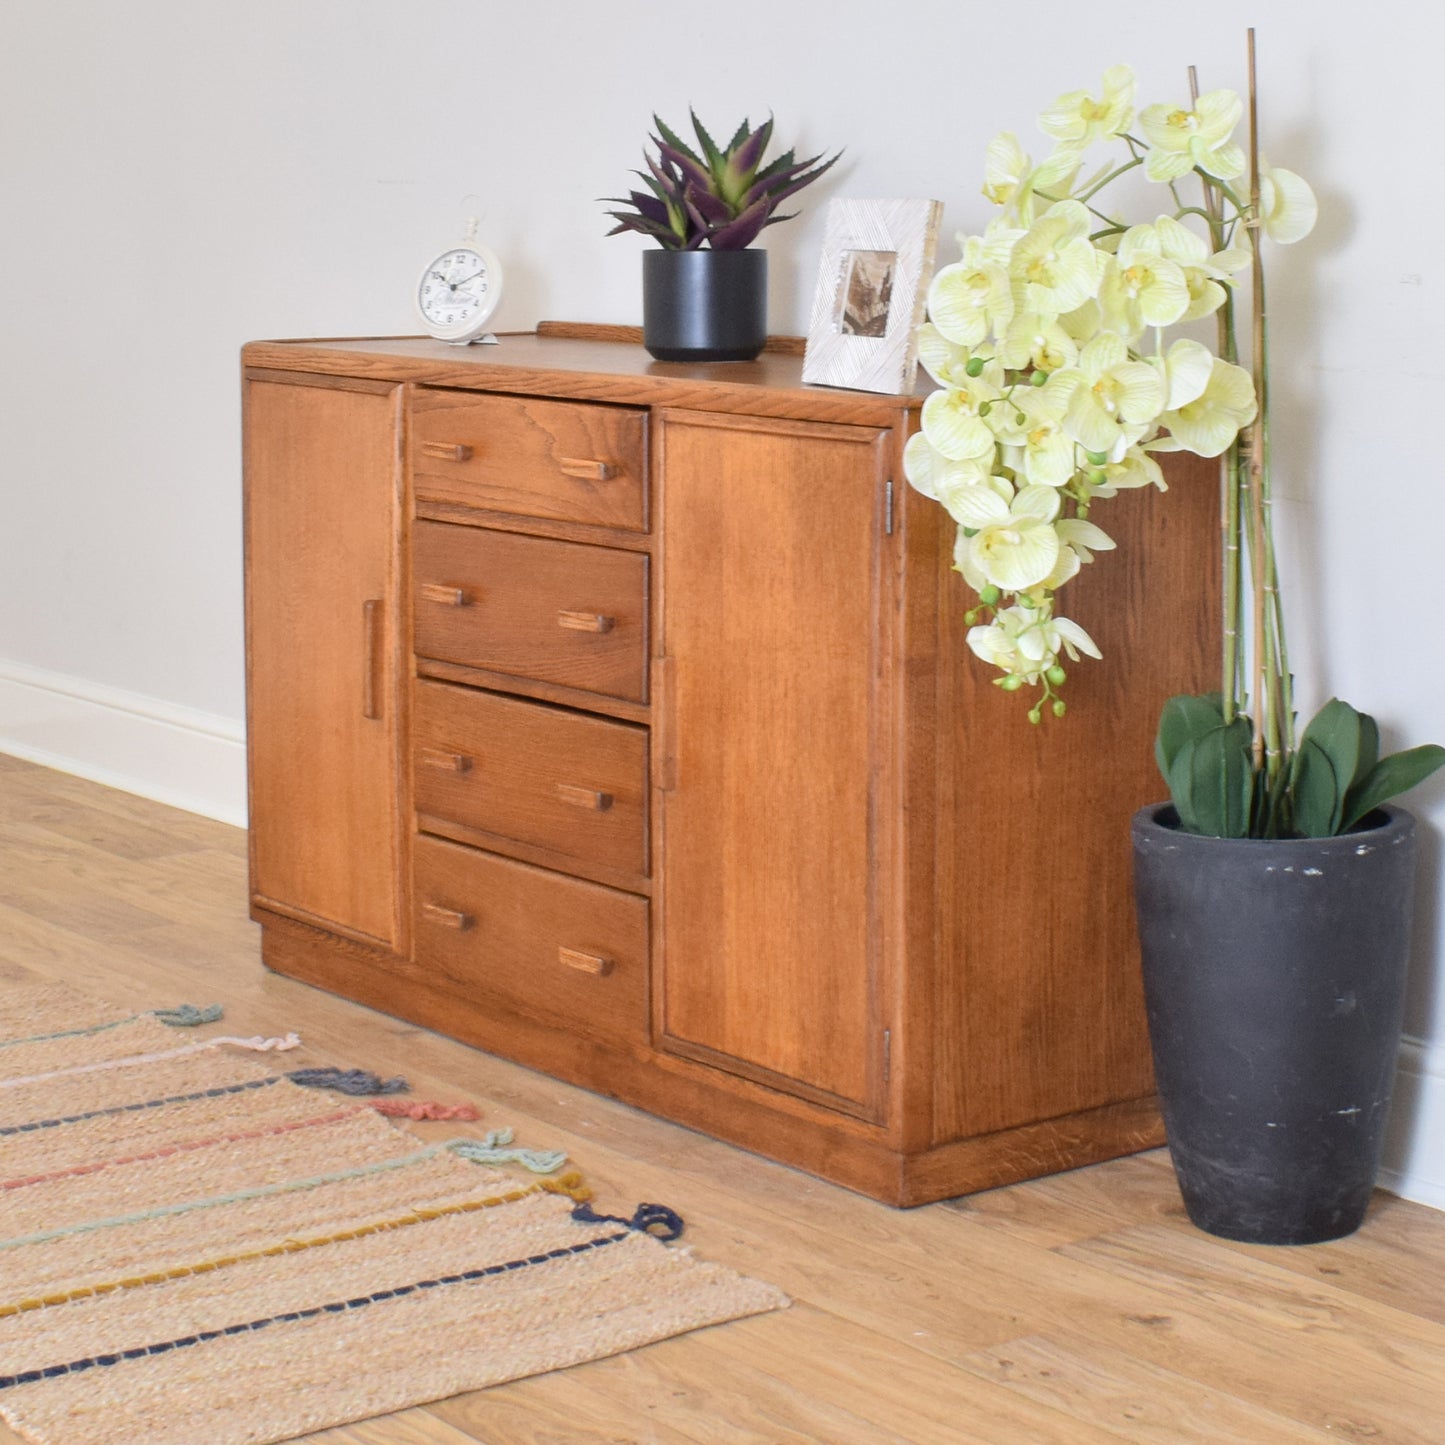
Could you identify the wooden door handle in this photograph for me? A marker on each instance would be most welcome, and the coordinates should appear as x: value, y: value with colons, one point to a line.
x: 585, y: 621
x: 588, y: 798
x: 444, y: 917
x: 586, y: 468
x: 444, y: 593
x: 446, y: 762
x: 447, y: 451
x: 593, y: 963
x: 370, y: 655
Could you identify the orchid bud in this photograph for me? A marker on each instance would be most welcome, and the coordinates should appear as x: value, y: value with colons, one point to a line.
x: 1059, y: 707
x: 1056, y: 675
x: 1038, y: 378
x: 1035, y: 716
x: 989, y: 596
x: 970, y: 618
x: 985, y: 408
x: 1097, y: 458
x: 974, y: 366
x: 1009, y: 683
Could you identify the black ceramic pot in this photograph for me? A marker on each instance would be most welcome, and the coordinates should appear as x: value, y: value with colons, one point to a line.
x: 704, y: 305
x: 1274, y: 975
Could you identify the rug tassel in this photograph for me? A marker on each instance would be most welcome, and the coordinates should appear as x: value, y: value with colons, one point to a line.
x: 493, y: 1150
x: 187, y: 1015
x: 646, y: 1219
x: 425, y: 1109
x: 347, y: 1081
x: 569, y: 1184
x: 259, y: 1045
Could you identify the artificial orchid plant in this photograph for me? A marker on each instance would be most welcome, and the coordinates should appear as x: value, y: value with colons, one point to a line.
x: 1062, y: 376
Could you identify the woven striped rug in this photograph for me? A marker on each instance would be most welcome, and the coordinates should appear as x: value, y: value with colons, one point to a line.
x: 198, y: 1244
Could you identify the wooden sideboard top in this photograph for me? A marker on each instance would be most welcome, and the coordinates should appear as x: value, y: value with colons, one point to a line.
x: 592, y: 363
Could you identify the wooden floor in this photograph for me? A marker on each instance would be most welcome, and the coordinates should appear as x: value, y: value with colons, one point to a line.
x: 1077, y: 1309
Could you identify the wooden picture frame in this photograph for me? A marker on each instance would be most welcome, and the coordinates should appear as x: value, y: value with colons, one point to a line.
x: 872, y: 289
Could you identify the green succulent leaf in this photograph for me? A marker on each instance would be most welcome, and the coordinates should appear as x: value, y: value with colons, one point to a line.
x: 1390, y: 777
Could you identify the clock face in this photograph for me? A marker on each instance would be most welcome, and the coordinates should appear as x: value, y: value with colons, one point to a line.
x: 458, y: 292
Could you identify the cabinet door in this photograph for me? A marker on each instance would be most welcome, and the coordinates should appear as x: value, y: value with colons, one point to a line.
x: 772, y: 538
x: 322, y: 494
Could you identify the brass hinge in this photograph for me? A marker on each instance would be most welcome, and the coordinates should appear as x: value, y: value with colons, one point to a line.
x: 888, y: 507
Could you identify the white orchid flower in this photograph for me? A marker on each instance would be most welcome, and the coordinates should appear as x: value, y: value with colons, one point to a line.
x: 1026, y: 642
x: 1037, y: 342
x: 1287, y: 205
x: 1182, y: 139
x: 1116, y: 399
x: 1014, y: 545
x: 1209, y: 423
x: 1203, y: 270
x: 1077, y: 119
x: 1186, y: 367
x: 952, y: 421
x: 1055, y: 263
x: 1141, y: 286
x: 1135, y: 469
x: 944, y: 360
x: 1045, y: 451
x: 1011, y: 179
x: 968, y: 298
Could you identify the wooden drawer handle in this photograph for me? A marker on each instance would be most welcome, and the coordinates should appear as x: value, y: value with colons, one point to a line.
x: 446, y: 762
x: 585, y: 962
x: 447, y: 917
x: 441, y: 592
x: 447, y: 451
x: 588, y: 798
x: 586, y: 622
x: 586, y: 468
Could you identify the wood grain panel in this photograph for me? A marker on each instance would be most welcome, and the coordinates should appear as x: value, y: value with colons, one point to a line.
x: 770, y: 538
x: 1038, y: 1000
x: 560, y: 780
x: 573, y: 461
x: 322, y: 509
x: 515, y: 604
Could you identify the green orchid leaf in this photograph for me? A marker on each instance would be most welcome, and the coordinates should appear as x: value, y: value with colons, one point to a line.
x: 1317, y: 793
x: 1182, y: 718
x: 1224, y: 780
x: 1180, y: 779
x: 1389, y: 778
x: 1339, y: 731
x: 1369, y: 749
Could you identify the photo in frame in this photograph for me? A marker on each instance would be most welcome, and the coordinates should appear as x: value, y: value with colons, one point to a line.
x: 872, y: 288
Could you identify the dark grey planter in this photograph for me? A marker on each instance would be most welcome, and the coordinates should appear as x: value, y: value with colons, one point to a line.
x: 704, y: 305
x: 1274, y: 976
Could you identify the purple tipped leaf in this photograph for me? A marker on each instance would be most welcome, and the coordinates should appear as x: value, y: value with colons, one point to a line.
x: 716, y: 161
x: 743, y: 231
x: 713, y: 208
x: 688, y: 169
x: 747, y: 156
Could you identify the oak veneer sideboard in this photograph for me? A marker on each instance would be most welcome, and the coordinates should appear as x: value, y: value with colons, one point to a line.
x: 616, y: 717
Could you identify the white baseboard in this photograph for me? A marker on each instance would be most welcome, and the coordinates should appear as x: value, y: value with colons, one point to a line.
x: 177, y: 755
x: 1414, y: 1165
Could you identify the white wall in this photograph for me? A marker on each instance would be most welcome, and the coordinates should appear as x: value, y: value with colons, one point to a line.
x: 177, y: 176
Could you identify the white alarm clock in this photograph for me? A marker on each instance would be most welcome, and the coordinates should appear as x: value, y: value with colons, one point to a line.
x: 459, y: 290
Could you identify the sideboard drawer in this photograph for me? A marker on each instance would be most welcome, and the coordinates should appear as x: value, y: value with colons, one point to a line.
x: 558, y: 612
x: 563, y: 781
x: 539, y: 942
x: 574, y: 461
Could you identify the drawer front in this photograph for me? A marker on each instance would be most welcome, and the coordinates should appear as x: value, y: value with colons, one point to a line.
x: 559, y: 780
x: 549, y: 946
x: 573, y: 461
x: 558, y: 612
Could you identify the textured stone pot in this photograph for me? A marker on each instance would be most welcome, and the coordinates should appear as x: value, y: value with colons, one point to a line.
x: 1274, y: 976
x: 704, y: 305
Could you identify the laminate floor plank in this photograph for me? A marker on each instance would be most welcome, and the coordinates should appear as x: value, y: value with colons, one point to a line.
x: 1074, y: 1310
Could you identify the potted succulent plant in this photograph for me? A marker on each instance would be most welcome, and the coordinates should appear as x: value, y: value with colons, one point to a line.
x: 1274, y: 891
x: 705, y: 294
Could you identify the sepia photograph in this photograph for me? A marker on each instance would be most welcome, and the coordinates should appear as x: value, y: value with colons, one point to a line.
x: 866, y: 292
